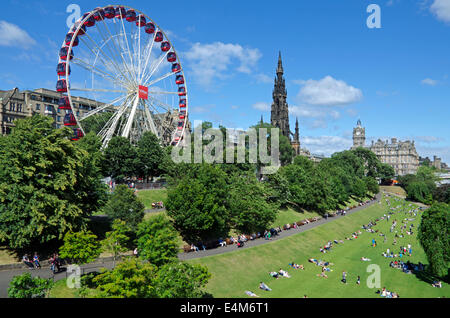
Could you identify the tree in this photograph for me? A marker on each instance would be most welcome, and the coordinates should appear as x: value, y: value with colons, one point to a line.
x: 434, y: 237
x: 43, y: 182
x: 248, y: 206
x: 115, y: 241
x: 24, y: 286
x: 385, y: 172
x: 150, y: 156
x: 419, y: 191
x: 442, y: 193
x: 129, y: 279
x: 182, y: 280
x: 120, y: 159
x: 96, y: 122
x: 157, y: 240
x: 372, y: 185
x: 91, y: 185
x: 196, y: 203
x: 80, y: 247
x: 123, y: 204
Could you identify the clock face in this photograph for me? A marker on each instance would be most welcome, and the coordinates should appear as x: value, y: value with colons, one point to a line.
x: 358, y: 133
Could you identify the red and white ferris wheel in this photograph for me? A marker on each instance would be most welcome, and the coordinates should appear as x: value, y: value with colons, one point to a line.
x: 122, y: 61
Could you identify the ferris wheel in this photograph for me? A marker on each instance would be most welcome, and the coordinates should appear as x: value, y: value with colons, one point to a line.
x: 124, y: 65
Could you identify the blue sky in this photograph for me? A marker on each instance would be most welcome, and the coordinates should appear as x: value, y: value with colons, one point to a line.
x: 337, y: 70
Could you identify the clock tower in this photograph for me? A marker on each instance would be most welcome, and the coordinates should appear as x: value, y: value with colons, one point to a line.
x: 359, y: 135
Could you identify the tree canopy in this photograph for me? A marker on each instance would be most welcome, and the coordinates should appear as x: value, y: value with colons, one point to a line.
x: 47, y: 186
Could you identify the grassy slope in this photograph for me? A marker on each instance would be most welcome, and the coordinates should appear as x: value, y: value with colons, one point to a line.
x: 234, y: 273
x: 394, y: 189
x: 149, y: 196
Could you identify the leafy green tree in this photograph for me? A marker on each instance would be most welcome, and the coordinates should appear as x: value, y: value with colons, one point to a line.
x: 248, y: 206
x: 278, y: 186
x: 129, y: 279
x: 157, y: 240
x: 91, y: 184
x: 442, y: 193
x: 182, y: 280
x: 115, y: 241
x: 120, y: 159
x: 123, y: 204
x: 43, y: 182
x: 150, y: 156
x: 197, y: 203
x: 418, y: 191
x: 372, y: 185
x: 370, y: 161
x: 434, y: 237
x: 95, y: 123
x: 24, y: 286
x: 80, y: 247
x: 385, y: 172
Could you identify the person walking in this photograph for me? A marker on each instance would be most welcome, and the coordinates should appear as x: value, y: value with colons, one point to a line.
x: 358, y: 281
x: 344, y: 277
x: 37, y: 264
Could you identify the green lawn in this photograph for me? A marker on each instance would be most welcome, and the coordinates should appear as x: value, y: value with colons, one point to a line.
x: 234, y: 273
x: 290, y: 216
x: 149, y: 196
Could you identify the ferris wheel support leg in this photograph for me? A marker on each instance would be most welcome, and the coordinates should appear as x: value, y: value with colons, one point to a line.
x: 126, y: 131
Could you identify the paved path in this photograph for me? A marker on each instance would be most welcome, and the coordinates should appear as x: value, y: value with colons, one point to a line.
x: 283, y: 234
x: 45, y: 272
x: 7, y: 275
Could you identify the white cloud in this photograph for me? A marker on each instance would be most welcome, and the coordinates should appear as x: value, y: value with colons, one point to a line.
x: 326, y: 145
x: 261, y: 106
x: 210, y: 62
x: 441, y: 8
x: 12, y: 35
x: 328, y: 92
x: 429, y: 81
x: 263, y: 78
x: 234, y: 107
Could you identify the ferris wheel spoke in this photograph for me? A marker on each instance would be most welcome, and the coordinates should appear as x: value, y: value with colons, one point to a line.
x: 156, y: 67
x: 163, y: 93
x: 103, y: 107
x: 113, y: 62
x: 128, y: 46
x: 116, y: 46
x: 93, y: 69
x: 98, y: 90
x: 161, y: 104
x: 149, y: 48
x: 110, y: 66
x: 112, y: 128
x: 159, y: 79
x: 126, y: 130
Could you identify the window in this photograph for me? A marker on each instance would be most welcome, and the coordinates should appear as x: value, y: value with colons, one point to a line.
x: 12, y: 107
x: 19, y: 108
x: 49, y: 108
x: 38, y: 106
x: 58, y: 118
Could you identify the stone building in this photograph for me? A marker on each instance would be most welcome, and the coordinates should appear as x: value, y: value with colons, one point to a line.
x: 401, y: 155
x: 280, y: 113
x: 18, y: 105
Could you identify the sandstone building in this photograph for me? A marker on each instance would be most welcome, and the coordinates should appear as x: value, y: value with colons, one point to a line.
x: 401, y: 155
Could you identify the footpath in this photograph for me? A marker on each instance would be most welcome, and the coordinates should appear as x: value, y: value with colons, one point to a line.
x: 8, y: 271
x: 251, y: 243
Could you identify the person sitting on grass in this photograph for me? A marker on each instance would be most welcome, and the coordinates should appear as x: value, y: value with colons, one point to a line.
x: 364, y: 259
x: 251, y: 294
x: 274, y: 274
x: 437, y: 284
x: 284, y: 273
x: 264, y: 287
x: 294, y: 266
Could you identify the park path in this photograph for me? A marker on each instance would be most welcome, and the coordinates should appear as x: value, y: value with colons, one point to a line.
x: 230, y: 248
x: 7, y: 275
